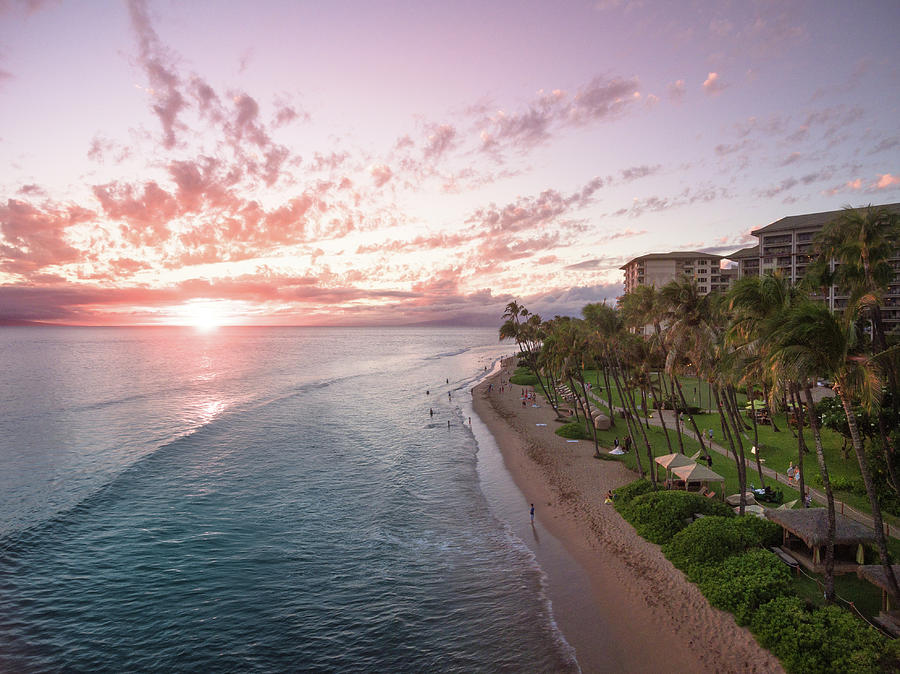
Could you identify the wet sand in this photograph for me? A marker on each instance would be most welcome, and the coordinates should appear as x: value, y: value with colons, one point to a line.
x: 658, y: 620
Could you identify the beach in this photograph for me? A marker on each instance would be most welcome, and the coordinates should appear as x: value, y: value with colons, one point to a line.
x: 657, y: 619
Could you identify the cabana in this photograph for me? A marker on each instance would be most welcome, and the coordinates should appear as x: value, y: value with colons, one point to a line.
x: 601, y: 421
x: 889, y: 618
x: 670, y: 461
x: 699, y: 475
x: 806, y: 531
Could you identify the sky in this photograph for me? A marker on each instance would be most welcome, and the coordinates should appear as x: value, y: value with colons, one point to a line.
x: 403, y: 163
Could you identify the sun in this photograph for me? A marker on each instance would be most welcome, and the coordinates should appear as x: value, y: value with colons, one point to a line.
x: 203, y: 315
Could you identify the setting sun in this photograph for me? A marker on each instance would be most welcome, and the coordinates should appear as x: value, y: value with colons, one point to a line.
x: 204, y: 315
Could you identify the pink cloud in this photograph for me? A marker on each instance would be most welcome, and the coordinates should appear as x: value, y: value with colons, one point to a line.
x: 887, y: 180
x: 381, y: 174
x: 34, y: 238
x: 440, y: 140
x: 713, y: 84
x: 677, y: 90
x: 164, y: 81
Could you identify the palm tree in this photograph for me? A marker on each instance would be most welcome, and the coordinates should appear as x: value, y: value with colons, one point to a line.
x: 811, y: 341
x: 688, y: 335
x: 861, y: 241
x: 754, y: 301
x: 528, y: 336
x: 606, y: 324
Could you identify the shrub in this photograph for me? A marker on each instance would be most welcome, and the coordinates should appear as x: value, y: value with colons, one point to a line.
x: 808, y: 639
x: 625, y: 494
x: 658, y: 516
x: 842, y: 483
x: 574, y: 430
x: 744, y: 581
x: 710, y: 540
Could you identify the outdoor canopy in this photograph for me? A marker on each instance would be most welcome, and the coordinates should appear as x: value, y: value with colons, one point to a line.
x: 670, y: 461
x: 697, y: 473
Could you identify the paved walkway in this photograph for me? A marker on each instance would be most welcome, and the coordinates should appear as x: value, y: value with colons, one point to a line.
x: 817, y: 495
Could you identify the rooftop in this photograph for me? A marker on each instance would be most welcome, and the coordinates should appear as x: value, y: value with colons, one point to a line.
x: 674, y: 255
x: 811, y: 220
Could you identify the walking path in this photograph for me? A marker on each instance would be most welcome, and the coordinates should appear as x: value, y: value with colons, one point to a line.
x: 817, y: 495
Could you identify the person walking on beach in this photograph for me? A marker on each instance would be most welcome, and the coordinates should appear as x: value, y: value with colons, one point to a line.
x: 431, y: 411
x: 449, y: 397
x: 532, y: 513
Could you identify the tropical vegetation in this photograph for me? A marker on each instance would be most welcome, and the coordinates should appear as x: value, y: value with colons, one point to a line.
x: 758, y: 352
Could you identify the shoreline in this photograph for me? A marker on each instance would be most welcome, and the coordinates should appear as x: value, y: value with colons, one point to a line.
x: 652, y: 617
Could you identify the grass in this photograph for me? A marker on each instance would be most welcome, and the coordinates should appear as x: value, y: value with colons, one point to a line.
x: 865, y: 596
x: 778, y: 449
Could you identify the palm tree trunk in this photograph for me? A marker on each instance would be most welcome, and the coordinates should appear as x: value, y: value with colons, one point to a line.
x: 627, y: 416
x: 590, y: 418
x: 691, y: 418
x: 678, y: 431
x: 756, y: 453
x: 829, y: 497
x: 726, y: 431
x: 737, y: 424
x: 870, y: 490
x: 801, y: 442
x: 612, y: 412
x: 662, y: 421
x: 633, y: 409
x: 765, y: 390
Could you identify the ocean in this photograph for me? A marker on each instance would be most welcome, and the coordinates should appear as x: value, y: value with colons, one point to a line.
x: 259, y: 499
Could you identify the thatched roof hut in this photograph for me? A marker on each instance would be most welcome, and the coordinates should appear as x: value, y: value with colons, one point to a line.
x: 811, y: 526
x: 875, y: 574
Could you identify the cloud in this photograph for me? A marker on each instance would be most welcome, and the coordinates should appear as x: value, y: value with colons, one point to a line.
x: 885, y: 144
x: 887, y: 180
x: 164, y: 81
x: 381, y: 174
x: 677, y: 90
x: 34, y: 238
x: 32, y: 190
x: 713, y: 85
x: 636, y: 172
x: 725, y: 149
x: 440, y: 140
x: 600, y: 99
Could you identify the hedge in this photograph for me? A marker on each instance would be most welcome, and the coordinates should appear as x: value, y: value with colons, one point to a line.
x: 574, y: 430
x: 711, y: 540
x: 657, y: 516
x: 827, y: 639
x: 742, y: 582
x: 625, y: 494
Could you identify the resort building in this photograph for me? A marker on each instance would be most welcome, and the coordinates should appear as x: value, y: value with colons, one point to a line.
x: 786, y: 246
x: 657, y: 269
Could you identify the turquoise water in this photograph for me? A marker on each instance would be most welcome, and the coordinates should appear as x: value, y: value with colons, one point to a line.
x: 262, y: 499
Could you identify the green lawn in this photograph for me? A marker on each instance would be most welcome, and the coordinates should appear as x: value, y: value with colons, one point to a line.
x: 865, y: 596
x: 777, y: 449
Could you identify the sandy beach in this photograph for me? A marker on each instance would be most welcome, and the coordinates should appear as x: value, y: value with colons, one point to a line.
x: 658, y: 619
